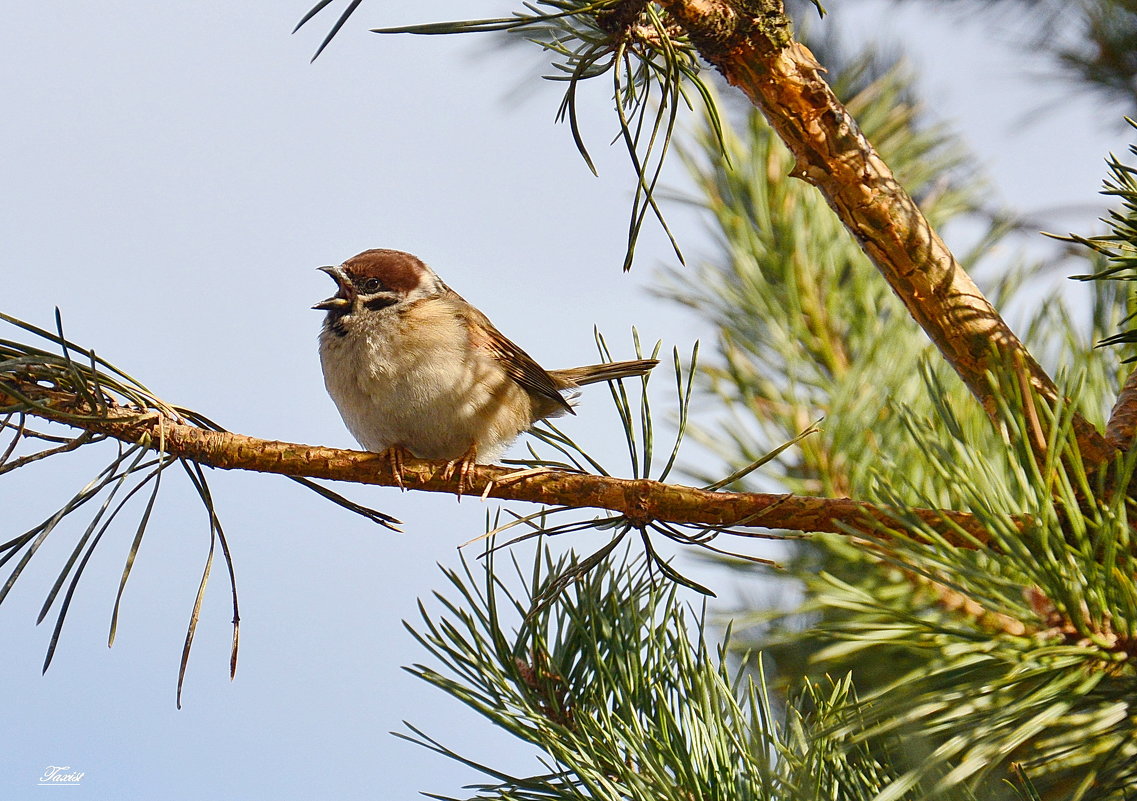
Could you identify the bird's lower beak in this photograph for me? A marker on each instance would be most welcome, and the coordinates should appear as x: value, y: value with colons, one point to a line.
x: 342, y: 299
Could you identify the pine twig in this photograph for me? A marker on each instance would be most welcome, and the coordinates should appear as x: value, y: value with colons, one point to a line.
x: 641, y: 501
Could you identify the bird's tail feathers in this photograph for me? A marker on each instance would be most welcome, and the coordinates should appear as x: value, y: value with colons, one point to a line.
x: 580, y: 376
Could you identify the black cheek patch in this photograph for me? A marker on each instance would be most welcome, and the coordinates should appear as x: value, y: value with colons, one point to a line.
x: 377, y: 304
x: 336, y: 325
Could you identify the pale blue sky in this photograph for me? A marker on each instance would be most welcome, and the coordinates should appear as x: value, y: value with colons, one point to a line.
x: 173, y: 174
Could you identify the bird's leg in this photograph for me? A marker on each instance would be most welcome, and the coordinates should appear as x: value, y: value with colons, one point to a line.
x: 394, y: 456
x: 462, y: 464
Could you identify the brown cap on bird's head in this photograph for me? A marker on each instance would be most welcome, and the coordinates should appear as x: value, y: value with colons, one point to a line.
x: 378, y: 276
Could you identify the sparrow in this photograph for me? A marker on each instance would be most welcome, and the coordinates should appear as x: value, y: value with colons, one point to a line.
x: 413, y: 367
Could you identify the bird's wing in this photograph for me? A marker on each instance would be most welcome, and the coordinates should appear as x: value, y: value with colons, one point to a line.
x: 518, y: 364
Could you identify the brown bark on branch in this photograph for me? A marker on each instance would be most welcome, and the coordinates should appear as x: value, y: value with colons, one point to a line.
x: 639, y: 500
x: 750, y: 42
x: 1122, y: 425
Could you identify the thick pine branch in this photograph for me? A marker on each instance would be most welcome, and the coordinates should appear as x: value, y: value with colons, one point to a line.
x: 750, y: 42
x: 640, y: 500
x: 1122, y: 425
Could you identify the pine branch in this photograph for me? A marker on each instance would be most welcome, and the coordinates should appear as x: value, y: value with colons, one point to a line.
x: 1122, y: 425
x: 641, y: 501
x: 616, y: 684
x: 750, y: 42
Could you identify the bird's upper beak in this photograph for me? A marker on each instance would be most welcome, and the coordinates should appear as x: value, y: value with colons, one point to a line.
x: 342, y: 300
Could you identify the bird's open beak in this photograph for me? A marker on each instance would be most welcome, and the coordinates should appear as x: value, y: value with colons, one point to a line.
x: 343, y: 298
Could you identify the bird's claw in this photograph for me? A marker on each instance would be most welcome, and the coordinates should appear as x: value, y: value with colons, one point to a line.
x: 462, y: 466
x: 394, y: 456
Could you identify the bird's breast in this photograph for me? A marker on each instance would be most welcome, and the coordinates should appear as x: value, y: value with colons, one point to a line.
x: 414, y: 380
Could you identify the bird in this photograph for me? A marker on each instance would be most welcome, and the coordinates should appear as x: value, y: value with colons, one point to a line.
x: 414, y: 368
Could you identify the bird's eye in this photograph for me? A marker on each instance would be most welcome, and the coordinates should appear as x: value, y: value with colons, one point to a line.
x: 372, y: 285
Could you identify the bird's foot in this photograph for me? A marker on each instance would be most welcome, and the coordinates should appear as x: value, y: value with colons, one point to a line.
x: 394, y: 456
x: 462, y: 466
